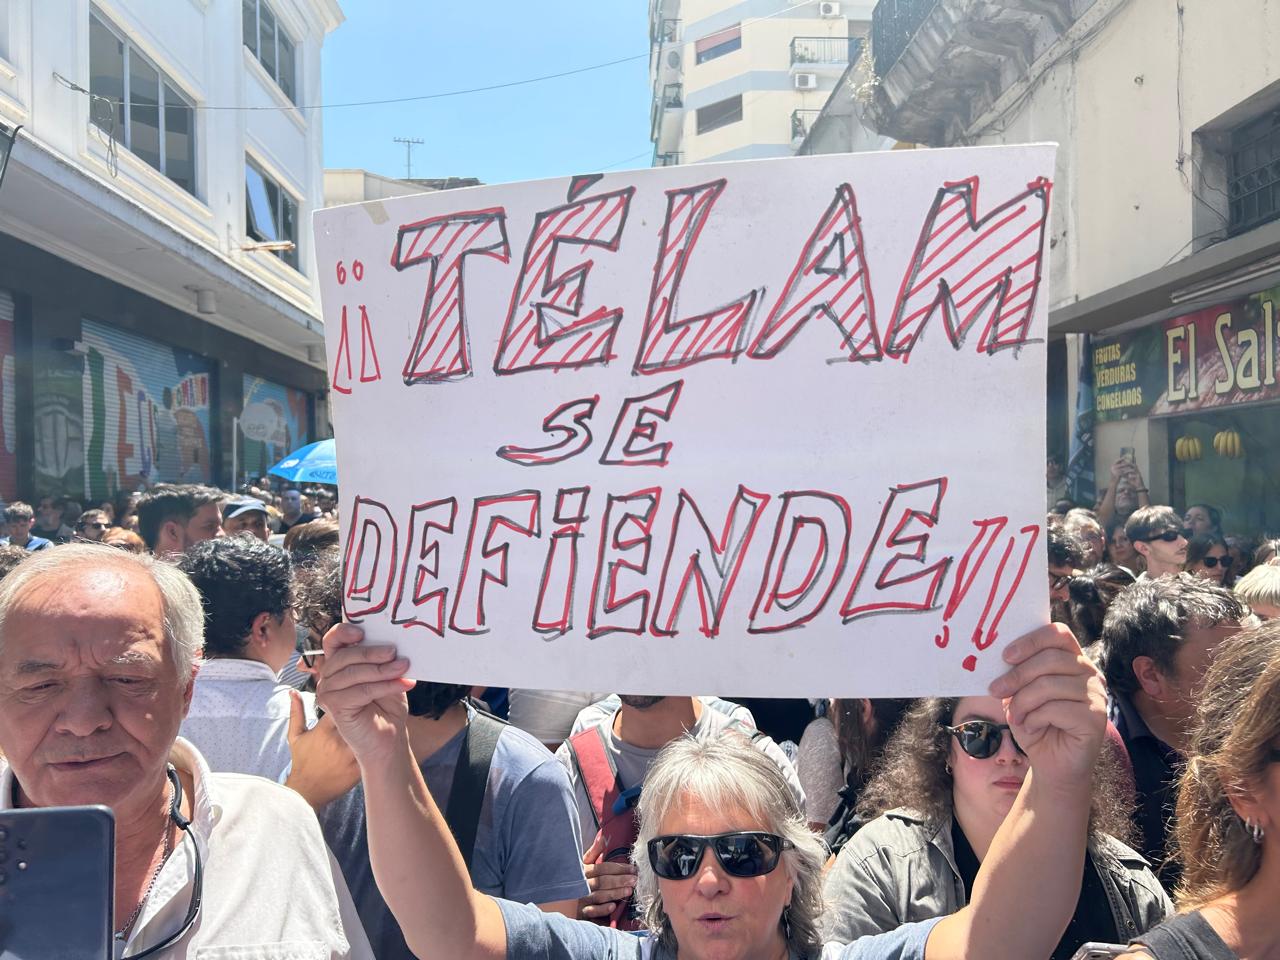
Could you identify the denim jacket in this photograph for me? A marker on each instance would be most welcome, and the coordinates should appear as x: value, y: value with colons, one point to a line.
x: 899, y: 869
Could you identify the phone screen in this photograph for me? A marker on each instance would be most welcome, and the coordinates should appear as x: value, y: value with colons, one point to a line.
x: 57, y: 883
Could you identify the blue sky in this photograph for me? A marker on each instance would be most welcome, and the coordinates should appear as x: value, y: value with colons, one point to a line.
x: 577, y: 124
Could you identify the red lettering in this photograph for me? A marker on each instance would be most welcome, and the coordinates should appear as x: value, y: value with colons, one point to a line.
x: 553, y: 613
x: 711, y: 564
x: 637, y: 414
x: 546, y: 327
x: 570, y: 422
x: 369, y: 562
x: 441, y: 347
x: 478, y: 572
x: 669, y: 343
x: 831, y: 280
x: 974, y: 269
x: 623, y: 533
x: 423, y: 607
x: 916, y: 588
x: 799, y: 577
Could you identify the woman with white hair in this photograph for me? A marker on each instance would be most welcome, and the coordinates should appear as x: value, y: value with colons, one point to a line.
x: 726, y: 867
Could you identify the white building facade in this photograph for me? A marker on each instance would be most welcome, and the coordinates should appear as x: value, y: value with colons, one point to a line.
x: 744, y: 79
x: 1166, y: 214
x: 157, y: 283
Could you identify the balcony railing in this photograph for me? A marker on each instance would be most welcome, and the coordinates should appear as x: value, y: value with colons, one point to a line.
x: 669, y: 31
x: 802, y: 122
x: 668, y: 159
x: 810, y: 51
x: 893, y: 24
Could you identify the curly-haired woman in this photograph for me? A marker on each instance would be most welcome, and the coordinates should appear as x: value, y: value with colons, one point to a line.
x: 1228, y: 827
x: 948, y: 779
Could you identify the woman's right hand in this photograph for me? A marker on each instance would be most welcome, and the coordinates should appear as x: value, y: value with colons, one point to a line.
x: 363, y: 688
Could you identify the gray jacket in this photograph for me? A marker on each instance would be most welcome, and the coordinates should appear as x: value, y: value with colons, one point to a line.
x: 898, y: 869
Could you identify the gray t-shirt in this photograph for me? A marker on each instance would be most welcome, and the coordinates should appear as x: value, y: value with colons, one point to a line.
x: 632, y: 763
x: 534, y: 935
x: 527, y: 843
x: 819, y: 769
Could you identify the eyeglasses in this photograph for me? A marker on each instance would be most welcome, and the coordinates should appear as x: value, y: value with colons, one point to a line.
x: 310, y: 657
x: 745, y: 853
x: 1058, y: 581
x: 981, y: 739
x: 1169, y: 536
x: 1212, y: 562
x: 93, y: 526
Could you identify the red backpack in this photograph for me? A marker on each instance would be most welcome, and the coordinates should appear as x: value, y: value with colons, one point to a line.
x: 614, y: 808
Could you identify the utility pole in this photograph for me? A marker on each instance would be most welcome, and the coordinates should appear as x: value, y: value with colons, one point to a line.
x: 409, y: 144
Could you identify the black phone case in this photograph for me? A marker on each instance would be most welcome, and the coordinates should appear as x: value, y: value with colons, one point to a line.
x: 57, y: 882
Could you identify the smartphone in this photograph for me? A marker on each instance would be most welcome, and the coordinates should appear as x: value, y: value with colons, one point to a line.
x: 57, y: 883
x: 1129, y: 453
x: 1099, y: 951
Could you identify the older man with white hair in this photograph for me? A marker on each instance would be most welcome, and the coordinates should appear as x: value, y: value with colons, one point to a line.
x: 98, y: 654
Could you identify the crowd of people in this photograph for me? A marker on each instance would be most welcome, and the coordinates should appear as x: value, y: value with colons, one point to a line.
x: 280, y: 789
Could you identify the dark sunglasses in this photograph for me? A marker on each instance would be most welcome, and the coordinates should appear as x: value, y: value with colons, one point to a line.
x: 1169, y: 536
x: 981, y: 739
x: 1060, y: 580
x: 745, y: 853
x: 1212, y: 562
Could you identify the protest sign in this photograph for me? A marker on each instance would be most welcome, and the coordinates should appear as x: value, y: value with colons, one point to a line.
x: 772, y: 428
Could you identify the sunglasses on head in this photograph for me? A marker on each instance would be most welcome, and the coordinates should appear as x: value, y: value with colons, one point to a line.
x: 981, y: 739
x: 744, y: 853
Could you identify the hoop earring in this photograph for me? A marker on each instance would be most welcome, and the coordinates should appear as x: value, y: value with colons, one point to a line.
x: 947, y: 767
x: 786, y: 923
x: 1255, y: 831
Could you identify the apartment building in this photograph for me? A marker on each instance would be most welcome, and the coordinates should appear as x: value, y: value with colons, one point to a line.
x: 159, y: 311
x: 744, y: 79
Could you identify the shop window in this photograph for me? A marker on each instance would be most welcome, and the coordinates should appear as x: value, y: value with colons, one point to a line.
x: 718, y: 44
x: 271, y: 213
x: 140, y: 106
x: 269, y: 42
x: 719, y: 114
x: 1253, y: 173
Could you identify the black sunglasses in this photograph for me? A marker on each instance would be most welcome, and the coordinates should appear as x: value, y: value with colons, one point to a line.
x: 981, y: 739
x: 1212, y: 562
x: 1169, y: 536
x: 745, y: 853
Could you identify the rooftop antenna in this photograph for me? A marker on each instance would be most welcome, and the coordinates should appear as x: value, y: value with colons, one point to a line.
x: 409, y: 144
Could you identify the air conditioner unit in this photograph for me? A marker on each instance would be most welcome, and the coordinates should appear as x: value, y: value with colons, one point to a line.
x: 829, y: 9
x: 806, y: 81
x: 673, y: 59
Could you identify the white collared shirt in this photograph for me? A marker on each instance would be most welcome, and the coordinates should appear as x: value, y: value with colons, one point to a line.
x: 271, y: 891
x: 239, y: 718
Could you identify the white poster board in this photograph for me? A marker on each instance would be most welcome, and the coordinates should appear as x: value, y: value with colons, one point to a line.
x: 770, y: 428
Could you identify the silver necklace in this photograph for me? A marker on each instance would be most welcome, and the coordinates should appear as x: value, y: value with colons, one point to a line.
x: 123, y: 932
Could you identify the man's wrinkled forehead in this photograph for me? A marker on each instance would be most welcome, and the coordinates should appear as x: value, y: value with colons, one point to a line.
x: 86, y: 602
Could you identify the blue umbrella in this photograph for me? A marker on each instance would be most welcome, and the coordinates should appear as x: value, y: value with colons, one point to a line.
x: 314, y: 463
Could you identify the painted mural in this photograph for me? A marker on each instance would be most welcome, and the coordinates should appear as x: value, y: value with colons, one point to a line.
x: 146, y: 412
x: 57, y: 378
x: 273, y: 423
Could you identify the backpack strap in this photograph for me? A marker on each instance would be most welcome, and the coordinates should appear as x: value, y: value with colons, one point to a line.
x: 471, y: 781
x: 596, y: 771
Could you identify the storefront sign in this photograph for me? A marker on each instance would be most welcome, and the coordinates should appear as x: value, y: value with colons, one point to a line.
x: 1218, y: 357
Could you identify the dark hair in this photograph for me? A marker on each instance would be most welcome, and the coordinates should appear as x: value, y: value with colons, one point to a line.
x: 1148, y: 619
x: 171, y: 501
x: 1089, y: 594
x: 428, y: 699
x: 317, y: 589
x: 10, y: 557
x: 90, y: 515
x: 238, y: 578
x: 1066, y: 548
x: 913, y: 773
x: 307, y: 539
x: 18, y: 511
x: 1215, y: 515
x: 1198, y: 547
x: 860, y: 743
x: 1147, y: 523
